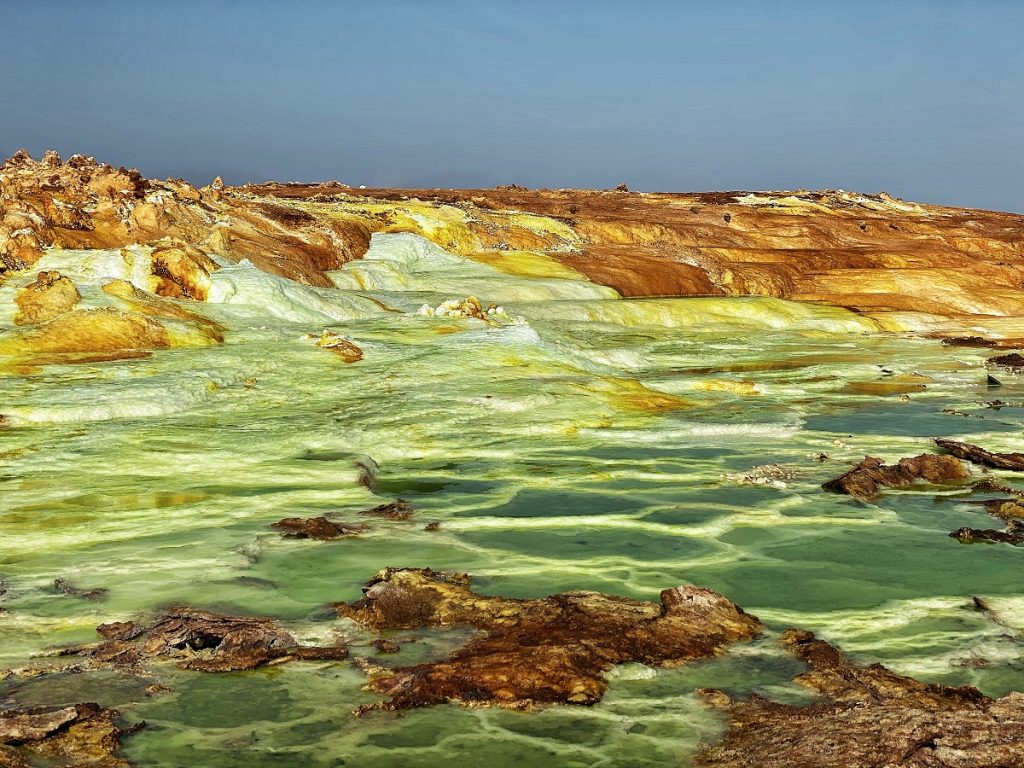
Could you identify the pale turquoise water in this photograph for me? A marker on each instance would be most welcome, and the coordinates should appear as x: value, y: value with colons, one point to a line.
x: 157, y: 479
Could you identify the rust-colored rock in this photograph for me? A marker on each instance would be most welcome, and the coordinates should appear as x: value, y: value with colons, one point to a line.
x: 393, y: 510
x: 972, y: 453
x: 866, y: 252
x: 201, y: 640
x: 79, y: 736
x: 49, y: 295
x: 347, y: 350
x: 868, y: 717
x: 547, y: 650
x: 865, y: 480
x: 84, y: 204
x: 319, y: 528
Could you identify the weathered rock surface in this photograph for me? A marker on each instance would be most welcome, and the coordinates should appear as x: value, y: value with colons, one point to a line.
x: 49, y: 295
x: 201, y: 640
x: 79, y: 736
x: 867, y: 252
x: 552, y: 649
x: 84, y: 204
x: 866, y: 479
x: 868, y: 717
x: 972, y: 453
x: 319, y: 528
x: 392, y: 510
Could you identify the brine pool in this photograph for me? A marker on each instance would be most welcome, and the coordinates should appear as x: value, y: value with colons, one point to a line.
x: 580, y: 441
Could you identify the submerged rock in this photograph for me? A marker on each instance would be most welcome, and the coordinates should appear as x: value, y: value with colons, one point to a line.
x: 319, y: 528
x: 868, y: 717
x: 203, y: 641
x: 79, y: 736
x: 549, y: 650
x: 67, y: 588
x: 864, y: 480
x: 968, y: 452
x: 1014, y: 535
x: 394, y: 510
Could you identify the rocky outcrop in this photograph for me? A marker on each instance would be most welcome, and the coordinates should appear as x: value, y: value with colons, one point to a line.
x: 548, y: 650
x: 81, y: 203
x: 200, y: 640
x: 864, y: 481
x: 48, y: 296
x: 78, y: 736
x: 867, y: 252
x: 867, y: 717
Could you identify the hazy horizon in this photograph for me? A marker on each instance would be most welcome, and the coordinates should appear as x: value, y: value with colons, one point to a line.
x: 922, y: 100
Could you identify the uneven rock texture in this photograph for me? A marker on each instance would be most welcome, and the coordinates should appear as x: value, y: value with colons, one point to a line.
x: 84, y: 204
x: 866, y: 479
x: 553, y: 649
x: 201, y: 640
x: 393, y: 510
x: 868, y: 717
x: 867, y: 252
x: 1013, y: 361
x: 968, y: 452
x: 79, y: 736
x: 319, y: 528
x: 49, y: 295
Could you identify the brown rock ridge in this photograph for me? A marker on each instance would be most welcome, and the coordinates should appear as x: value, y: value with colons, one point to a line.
x: 548, y: 650
x: 866, y: 252
x: 868, y: 717
x: 84, y: 204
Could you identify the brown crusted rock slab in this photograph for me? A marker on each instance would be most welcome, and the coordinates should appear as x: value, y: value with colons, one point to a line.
x: 868, y: 717
x: 865, y: 480
x: 202, y: 640
x: 82, y: 736
x: 968, y: 452
x: 319, y: 528
x: 555, y: 649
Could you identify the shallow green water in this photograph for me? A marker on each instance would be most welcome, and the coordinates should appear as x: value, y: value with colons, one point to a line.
x: 157, y: 479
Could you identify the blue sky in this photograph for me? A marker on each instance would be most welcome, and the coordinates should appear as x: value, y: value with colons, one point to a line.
x: 922, y: 99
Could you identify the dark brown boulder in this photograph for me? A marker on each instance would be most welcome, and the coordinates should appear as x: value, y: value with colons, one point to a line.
x: 867, y: 717
x: 864, y: 480
x: 547, y: 650
x: 968, y: 452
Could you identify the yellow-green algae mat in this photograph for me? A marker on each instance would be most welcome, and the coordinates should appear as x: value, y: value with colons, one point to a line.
x: 573, y: 440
